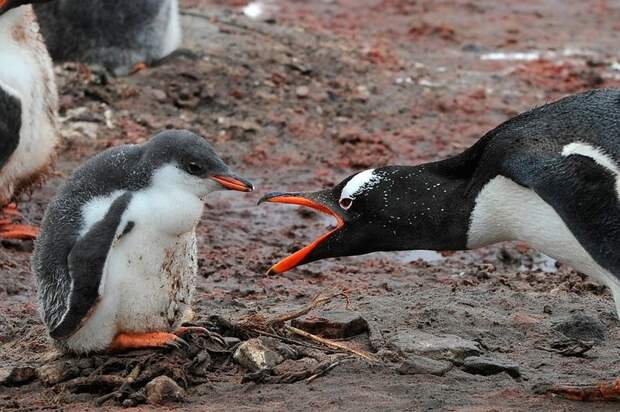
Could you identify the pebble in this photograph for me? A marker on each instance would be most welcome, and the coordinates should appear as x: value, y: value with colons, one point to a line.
x: 448, y: 347
x: 482, y: 365
x: 56, y: 372
x: 418, y: 365
x: 262, y: 353
x: 581, y: 327
x: 333, y: 324
x: 302, y: 92
x: 17, y: 376
x: 162, y: 389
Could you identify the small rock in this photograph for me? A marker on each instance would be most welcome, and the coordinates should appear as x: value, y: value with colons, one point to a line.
x: 290, y: 366
x: 448, y: 347
x: 482, y: 365
x: 416, y: 365
x: 302, y: 92
x: 262, y: 353
x: 159, y: 95
x: 58, y: 371
x: 162, y: 389
x: 333, y: 324
x: 231, y: 341
x: 581, y: 327
x: 363, y: 93
x: 17, y: 376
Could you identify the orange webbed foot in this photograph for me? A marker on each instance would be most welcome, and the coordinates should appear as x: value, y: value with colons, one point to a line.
x: 138, y: 67
x: 17, y: 232
x: 147, y: 340
x: 9, y: 230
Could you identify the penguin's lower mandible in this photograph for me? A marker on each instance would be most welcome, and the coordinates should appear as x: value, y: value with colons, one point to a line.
x: 116, y: 258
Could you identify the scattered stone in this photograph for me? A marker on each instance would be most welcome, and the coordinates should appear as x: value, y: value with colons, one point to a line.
x: 581, y: 327
x: 162, y: 389
x: 58, y: 371
x: 333, y: 324
x: 17, y: 376
x: 159, y: 95
x: 302, y: 92
x: 482, y: 365
x: 448, y: 347
x: 291, y: 366
x: 418, y: 365
x: 231, y: 341
x: 363, y: 93
x: 262, y: 353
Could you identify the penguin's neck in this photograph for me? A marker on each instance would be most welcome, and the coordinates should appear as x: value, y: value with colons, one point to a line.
x: 428, y: 208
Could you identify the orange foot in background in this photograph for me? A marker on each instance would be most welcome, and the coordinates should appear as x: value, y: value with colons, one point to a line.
x: 607, y: 391
x: 129, y: 341
x: 10, y: 230
x: 138, y: 67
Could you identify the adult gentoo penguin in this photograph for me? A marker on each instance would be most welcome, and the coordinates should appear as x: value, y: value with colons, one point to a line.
x: 28, y: 105
x: 116, y: 258
x: 549, y: 177
x: 118, y: 34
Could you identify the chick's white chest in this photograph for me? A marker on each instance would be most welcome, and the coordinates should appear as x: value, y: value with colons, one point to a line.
x: 152, y: 268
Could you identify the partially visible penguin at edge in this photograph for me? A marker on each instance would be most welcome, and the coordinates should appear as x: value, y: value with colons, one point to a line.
x: 117, y: 34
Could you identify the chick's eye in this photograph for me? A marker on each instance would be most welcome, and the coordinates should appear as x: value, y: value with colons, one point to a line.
x: 346, y: 203
x: 194, y: 169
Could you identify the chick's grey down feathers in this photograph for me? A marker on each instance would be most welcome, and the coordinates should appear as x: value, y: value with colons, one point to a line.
x: 59, y: 254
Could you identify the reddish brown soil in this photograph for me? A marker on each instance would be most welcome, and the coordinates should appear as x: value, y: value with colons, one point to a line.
x: 388, y: 82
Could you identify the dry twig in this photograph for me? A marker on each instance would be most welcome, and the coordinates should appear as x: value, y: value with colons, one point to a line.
x: 332, y: 344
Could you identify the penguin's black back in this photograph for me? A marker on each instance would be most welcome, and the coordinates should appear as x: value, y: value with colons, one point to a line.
x: 516, y: 146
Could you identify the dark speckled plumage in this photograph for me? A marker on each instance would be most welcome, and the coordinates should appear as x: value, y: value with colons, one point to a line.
x: 430, y: 206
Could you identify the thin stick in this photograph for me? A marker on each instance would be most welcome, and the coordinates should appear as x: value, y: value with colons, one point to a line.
x: 317, y: 301
x: 332, y: 344
x: 288, y: 340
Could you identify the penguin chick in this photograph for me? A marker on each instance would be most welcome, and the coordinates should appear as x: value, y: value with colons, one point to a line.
x: 116, y: 258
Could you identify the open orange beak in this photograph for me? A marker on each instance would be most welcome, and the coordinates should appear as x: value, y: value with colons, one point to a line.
x: 233, y: 182
x: 300, y: 256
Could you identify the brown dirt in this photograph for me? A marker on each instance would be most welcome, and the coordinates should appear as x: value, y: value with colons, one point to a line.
x: 388, y: 81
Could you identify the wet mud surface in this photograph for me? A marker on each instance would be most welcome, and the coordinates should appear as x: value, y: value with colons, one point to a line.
x: 299, y: 99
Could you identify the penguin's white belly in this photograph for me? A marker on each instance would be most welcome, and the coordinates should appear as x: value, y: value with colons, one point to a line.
x: 149, y: 275
x: 26, y: 72
x: 173, y: 35
x: 505, y: 211
x: 153, y: 277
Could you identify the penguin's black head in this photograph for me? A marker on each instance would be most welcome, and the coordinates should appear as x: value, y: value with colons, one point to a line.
x: 367, y: 209
x: 6, y: 5
x: 180, y: 157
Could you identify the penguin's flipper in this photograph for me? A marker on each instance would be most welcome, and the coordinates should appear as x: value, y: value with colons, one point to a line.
x: 10, y: 124
x: 584, y: 194
x: 86, y: 264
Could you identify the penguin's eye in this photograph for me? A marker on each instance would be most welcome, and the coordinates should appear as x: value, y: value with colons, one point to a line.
x: 194, y: 169
x: 346, y: 203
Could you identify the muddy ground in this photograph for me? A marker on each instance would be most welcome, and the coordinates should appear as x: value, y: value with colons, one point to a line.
x: 300, y: 98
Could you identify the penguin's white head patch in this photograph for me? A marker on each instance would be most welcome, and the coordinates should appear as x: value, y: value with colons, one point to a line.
x: 360, y: 183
